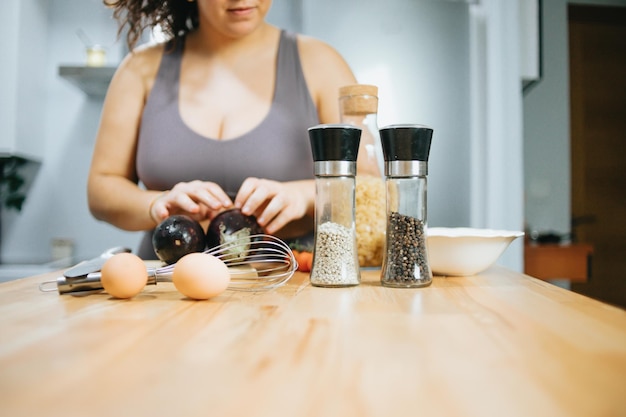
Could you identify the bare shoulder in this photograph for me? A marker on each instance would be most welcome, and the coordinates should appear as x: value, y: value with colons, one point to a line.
x: 325, y: 71
x: 128, y: 92
x: 317, y: 54
x: 139, y: 68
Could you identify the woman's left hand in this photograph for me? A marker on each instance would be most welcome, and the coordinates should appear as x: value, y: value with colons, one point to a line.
x: 275, y: 204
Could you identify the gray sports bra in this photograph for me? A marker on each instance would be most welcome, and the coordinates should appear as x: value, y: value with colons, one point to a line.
x: 169, y: 152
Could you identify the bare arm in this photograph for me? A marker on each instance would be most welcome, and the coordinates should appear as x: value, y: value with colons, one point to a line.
x: 112, y: 189
x: 326, y: 71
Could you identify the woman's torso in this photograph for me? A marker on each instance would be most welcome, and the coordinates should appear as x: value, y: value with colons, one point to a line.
x: 169, y: 151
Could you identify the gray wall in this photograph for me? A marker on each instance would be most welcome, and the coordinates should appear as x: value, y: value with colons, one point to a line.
x: 56, y: 205
x: 420, y: 55
x: 419, y: 64
x: 422, y: 70
x: 406, y: 47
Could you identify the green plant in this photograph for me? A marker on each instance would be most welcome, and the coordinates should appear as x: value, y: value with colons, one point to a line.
x: 12, y: 195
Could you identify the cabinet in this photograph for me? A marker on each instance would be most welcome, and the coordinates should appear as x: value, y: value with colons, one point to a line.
x: 570, y: 261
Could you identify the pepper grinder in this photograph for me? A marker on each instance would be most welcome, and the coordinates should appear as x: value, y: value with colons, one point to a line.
x: 335, y: 260
x: 406, y: 149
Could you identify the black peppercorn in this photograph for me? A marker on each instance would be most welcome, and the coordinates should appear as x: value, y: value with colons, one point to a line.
x: 406, y: 263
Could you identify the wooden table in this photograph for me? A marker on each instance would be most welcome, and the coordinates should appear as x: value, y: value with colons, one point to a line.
x: 497, y: 344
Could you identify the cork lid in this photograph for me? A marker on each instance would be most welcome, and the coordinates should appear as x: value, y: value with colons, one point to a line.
x: 358, y: 99
x: 358, y: 90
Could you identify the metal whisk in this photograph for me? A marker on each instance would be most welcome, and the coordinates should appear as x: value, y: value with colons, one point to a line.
x: 257, y: 262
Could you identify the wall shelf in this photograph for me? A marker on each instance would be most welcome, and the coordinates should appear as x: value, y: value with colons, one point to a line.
x: 94, y: 81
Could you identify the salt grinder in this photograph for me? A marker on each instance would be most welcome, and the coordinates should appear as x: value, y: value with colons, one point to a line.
x: 335, y: 260
x: 406, y: 149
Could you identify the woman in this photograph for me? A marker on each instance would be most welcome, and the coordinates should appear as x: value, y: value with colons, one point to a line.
x: 215, y: 118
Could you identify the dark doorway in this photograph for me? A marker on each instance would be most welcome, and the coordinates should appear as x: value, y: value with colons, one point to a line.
x: 597, y: 49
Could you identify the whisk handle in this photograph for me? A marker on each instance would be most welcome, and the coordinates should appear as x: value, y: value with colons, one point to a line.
x: 91, y: 282
x: 84, y: 283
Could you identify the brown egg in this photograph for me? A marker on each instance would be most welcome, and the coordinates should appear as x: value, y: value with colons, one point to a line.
x: 124, y: 275
x: 200, y: 276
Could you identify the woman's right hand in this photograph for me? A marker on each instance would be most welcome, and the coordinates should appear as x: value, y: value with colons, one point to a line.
x: 200, y: 200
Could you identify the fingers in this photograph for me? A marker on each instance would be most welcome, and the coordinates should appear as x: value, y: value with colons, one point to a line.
x: 275, y: 215
x: 198, y: 199
x: 158, y: 210
x: 189, y: 196
x: 250, y: 196
x: 275, y: 204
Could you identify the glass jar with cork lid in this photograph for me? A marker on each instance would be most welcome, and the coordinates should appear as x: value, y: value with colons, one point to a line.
x: 358, y: 104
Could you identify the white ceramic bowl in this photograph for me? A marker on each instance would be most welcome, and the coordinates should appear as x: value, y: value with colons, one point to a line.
x: 463, y: 251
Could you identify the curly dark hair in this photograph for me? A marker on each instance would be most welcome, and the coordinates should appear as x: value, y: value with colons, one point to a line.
x: 175, y: 17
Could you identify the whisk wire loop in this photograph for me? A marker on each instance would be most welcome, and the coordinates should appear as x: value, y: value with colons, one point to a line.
x: 257, y: 262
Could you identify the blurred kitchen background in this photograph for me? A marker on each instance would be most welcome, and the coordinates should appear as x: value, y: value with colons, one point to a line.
x: 490, y: 76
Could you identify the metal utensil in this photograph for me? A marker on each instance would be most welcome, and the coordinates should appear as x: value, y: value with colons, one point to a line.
x: 263, y: 262
x: 84, y: 268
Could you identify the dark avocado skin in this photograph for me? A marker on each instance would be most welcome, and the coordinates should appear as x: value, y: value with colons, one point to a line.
x: 176, y: 237
x: 230, y: 222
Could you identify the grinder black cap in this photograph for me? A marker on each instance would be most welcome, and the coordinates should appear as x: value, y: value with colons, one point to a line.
x: 406, y: 142
x: 334, y: 142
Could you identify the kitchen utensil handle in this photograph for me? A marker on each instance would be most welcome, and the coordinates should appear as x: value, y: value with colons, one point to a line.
x: 90, y: 282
